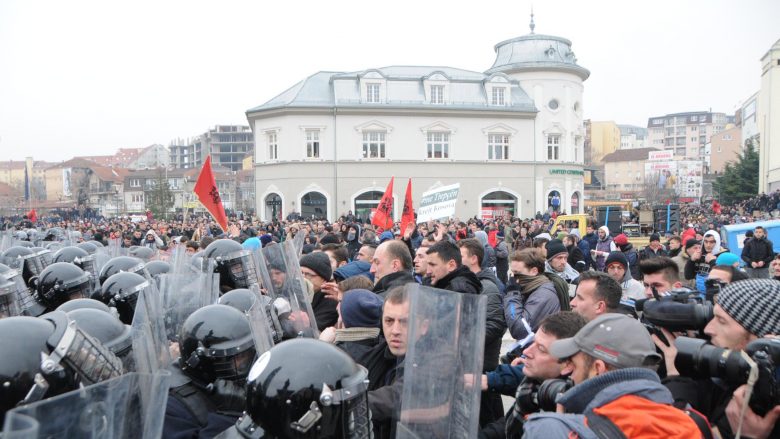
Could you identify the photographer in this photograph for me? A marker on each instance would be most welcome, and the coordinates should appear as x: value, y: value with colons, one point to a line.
x: 536, y: 366
x: 660, y: 274
x: 746, y: 310
x: 616, y: 391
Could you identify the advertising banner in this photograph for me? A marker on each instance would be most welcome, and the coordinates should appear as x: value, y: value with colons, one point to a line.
x: 438, y: 203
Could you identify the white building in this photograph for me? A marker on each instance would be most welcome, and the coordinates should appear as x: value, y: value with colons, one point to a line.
x: 747, y: 119
x: 632, y: 136
x: 511, y: 136
x: 769, y: 121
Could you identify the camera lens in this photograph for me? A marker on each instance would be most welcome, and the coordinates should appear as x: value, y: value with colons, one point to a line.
x: 696, y: 358
x: 549, y: 391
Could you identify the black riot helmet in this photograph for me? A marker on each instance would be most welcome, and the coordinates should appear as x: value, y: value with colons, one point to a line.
x: 44, y: 254
x: 322, y: 396
x: 241, y: 299
x: 48, y: 356
x: 9, y: 304
x: 156, y: 268
x: 120, y: 263
x: 144, y: 253
x: 216, y: 343
x: 235, y: 265
x: 107, y: 329
x: 121, y: 291
x: 54, y: 234
x: 87, y: 246
x: 61, y: 282
x: 97, y: 244
x: 71, y: 305
x: 71, y: 254
x: 33, y: 262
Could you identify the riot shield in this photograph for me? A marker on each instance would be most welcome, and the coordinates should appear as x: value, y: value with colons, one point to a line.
x: 263, y: 276
x: 262, y: 324
x: 180, y: 261
x: 7, y: 240
x: 24, y: 299
x: 288, y: 285
x: 150, y: 344
x: 115, y: 248
x: 129, y: 406
x: 298, y: 242
x: 182, y: 294
x: 446, y: 338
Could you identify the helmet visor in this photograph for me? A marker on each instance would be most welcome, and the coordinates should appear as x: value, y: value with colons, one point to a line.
x: 235, y: 367
x: 241, y: 269
x: 9, y: 305
x: 92, y: 361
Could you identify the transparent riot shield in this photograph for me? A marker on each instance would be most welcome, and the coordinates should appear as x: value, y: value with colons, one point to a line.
x: 25, y: 301
x: 298, y: 242
x: 129, y: 406
x: 288, y: 285
x: 445, y: 343
x: 182, y: 294
x: 265, y: 284
x: 7, y: 240
x: 115, y: 248
x: 262, y: 324
x: 150, y: 343
x: 180, y: 261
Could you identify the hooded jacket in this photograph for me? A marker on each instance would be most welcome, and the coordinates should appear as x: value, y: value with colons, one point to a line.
x: 524, y: 311
x: 603, y: 247
x: 353, y: 245
x: 489, y: 261
x: 700, y: 268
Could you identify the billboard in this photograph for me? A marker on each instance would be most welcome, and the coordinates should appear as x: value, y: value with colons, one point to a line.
x: 684, y: 177
x: 66, y: 172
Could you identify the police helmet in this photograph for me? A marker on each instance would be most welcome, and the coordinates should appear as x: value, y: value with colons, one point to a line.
x: 120, y: 263
x: 71, y: 254
x: 61, y: 282
x: 144, y: 253
x: 216, y: 343
x: 87, y: 246
x: 121, y: 291
x: 323, y: 396
x: 156, y: 268
x: 241, y: 299
x: 234, y: 264
x: 106, y: 328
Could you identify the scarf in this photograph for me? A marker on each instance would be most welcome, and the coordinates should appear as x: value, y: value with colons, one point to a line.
x: 529, y: 284
x: 356, y: 334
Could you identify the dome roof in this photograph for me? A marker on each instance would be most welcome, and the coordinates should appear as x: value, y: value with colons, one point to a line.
x: 536, y: 52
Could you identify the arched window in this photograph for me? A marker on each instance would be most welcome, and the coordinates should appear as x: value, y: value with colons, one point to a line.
x: 366, y: 203
x: 575, y: 202
x: 554, y: 201
x: 273, y: 206
x: 314, y: 205
x: 498, y: 203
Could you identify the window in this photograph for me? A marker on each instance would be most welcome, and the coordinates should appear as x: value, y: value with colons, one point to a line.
x: 553, y: 147
x: 313, y: 144
x: 273, y: 147
x: 498, y: 147
x: 136, y: 182
x: 497, y: 96
x: 372, y: 93
x: 137, y: 198
x: 437, y: 94
x: 373, y: 145
x: 438, y: 145
x: 553, y: 104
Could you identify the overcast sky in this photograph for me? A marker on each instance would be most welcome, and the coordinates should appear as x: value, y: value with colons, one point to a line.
x: 86, y: 78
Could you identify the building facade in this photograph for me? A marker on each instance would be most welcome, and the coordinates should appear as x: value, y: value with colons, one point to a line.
x: 511, y: 136
x: 624, y: 169
x: 685, y: 134
x: 769, y: 121
x: 227, y: 144
x: 632, y: 136
x: 747, y: 120
x: 604, y: 139
x: 723, y: 148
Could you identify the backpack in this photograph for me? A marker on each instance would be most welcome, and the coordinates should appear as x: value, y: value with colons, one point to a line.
x: 631, y: 416
x: 561, y: 290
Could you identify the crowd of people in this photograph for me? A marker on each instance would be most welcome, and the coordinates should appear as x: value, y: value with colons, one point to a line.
x: 602, y: 330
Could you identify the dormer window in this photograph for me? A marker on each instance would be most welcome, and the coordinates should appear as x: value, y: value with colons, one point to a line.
x: 497, y: 97
x: 437, y: 94
x: 372, y: 93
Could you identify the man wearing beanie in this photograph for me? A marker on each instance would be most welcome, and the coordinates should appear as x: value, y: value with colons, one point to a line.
x: 361, y: 314
x: 557, y: 262
x: 692, y: 246
x: 654, y: 249
x: 316, y: 268
x: 746, y: 310
x: 632, y: 256
x: 617, y: 268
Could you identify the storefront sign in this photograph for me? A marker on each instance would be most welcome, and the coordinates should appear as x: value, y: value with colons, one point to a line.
x: 566, y: 172
x: 660, y: 155
x: 438, y: 203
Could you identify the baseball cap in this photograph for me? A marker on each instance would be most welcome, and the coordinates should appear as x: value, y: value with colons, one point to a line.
x: 616, y: 339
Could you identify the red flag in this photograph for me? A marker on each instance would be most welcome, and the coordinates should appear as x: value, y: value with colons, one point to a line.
x: 32, y: 215
x: 208, y: 194
x: 383, y: 217
x: 408, y: 215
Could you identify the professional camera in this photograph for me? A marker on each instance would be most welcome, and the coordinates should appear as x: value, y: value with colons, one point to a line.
x: 712, y: 289
x: 695, y: 358
x: 533, y: 397
x: 681, y: 310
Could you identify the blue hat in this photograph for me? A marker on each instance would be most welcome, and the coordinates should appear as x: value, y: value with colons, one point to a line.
x: 251, y: 244
x: 727, y: 258
x: 361, y: 309
x: 385, y: 236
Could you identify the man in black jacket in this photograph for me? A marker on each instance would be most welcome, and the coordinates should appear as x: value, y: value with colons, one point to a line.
x: 447, y: 272
x: 758, y: 254
x: 471, y: 252
x: 316, y: 268
x: 391, y: 266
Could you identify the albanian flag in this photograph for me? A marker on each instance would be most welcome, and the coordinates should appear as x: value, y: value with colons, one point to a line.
x: 408, y: 214
x: 32, y: 215
x: 383, y: 217
x: 208, y: 194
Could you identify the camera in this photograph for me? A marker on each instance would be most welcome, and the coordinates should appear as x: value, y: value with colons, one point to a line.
x: 712, y: 289
x: 533, y: 397
x: 681, y: 310
x: 695, y: 358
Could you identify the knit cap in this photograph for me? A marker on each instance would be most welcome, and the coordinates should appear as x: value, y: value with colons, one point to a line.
x: 361, y: 309
x: 554, y: 248
x: 754, y: 304
x: 616, y: 256
x: 319, y: 263
x: 621, y: 239
x: 727, y: 258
